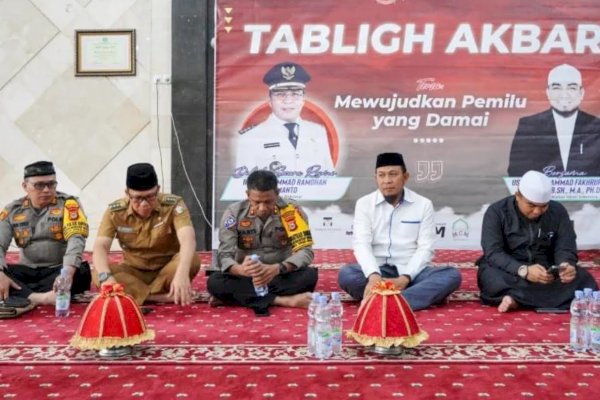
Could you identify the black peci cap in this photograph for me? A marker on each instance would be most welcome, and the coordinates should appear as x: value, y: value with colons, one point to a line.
x: 386, y: 159
x: 141, y: 176
x: 39, y: 168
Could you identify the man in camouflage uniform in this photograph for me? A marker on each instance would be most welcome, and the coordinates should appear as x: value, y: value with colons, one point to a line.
x: 274, y: 229
x: 157, y: 237
x: 50, y: 229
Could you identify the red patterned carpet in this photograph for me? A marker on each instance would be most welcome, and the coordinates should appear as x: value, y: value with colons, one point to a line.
x: 227, y: 353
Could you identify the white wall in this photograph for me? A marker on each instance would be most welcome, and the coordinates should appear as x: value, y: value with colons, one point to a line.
x: 92, y: 128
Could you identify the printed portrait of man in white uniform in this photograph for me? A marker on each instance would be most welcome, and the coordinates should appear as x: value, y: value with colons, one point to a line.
x: 285, y: 142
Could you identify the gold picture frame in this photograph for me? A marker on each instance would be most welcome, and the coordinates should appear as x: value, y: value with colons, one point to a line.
x: 105, y: 52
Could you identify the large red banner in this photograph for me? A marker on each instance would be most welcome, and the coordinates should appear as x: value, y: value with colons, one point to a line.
x: 473, y: 94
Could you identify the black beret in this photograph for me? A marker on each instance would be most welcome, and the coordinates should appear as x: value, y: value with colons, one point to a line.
x: 141, y: 176
x: 39, y: 168
x: 386, y: 159
x: 286, y: 74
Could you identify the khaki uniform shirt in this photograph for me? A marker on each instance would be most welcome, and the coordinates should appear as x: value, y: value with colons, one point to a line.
x: 242, y: 233
x: 147, y: 243
x: 39, y: 234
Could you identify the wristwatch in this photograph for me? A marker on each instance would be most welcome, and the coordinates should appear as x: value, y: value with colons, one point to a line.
x: 103, y: 277
x: 282, y: 269
x: 522, y: 271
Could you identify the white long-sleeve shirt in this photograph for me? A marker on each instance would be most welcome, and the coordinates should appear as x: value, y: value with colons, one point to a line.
x: 402, y: 236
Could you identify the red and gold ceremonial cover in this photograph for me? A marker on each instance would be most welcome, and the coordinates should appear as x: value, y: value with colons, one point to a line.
x: 386, y: 320
x: 113, y: 319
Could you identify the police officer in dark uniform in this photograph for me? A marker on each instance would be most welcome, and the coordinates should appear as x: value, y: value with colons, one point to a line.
x: 284, y: 139
x: 274, y: 229
x: 50, y: 229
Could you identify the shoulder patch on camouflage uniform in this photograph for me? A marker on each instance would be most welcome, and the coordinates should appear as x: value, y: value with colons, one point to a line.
x: 117, y: 205
x: 169, y: 200
x: 242, y: 131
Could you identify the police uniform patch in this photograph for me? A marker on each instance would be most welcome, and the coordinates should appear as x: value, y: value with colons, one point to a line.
x: 229, y: 222
x: 73, y: 209
x: 179, y: 210
x: 55, y: 211
x: 245, y: 223
x: 74, y: 220
x: 19, y: 217
x: 3, y: 214
x: 55, y: 229
x: 247, y: 241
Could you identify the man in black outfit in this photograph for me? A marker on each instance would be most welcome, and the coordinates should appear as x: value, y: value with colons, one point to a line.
x: 522, y: 237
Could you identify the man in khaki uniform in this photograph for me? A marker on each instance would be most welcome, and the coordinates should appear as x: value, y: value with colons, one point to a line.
x: 157, y: 237
x: 50, y: 229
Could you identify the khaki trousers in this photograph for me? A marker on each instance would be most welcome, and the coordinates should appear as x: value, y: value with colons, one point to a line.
x: 139, y: 283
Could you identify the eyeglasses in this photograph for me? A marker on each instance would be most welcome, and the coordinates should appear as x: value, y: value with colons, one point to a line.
x: 149, y: 198
x: 283, y: 94
x: 42, y: 185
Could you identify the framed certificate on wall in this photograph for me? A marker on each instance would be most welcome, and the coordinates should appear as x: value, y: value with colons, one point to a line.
x: 104, y: 52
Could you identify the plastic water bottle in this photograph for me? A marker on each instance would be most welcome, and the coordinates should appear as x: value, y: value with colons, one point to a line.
x: 595, y: 323
x: 63, y: 294
x: 577, y: 327
x: 323, y: 330
x: 261, y: 291
x: 312, y: 322
x: 336, y: 310
x: 588, y: 298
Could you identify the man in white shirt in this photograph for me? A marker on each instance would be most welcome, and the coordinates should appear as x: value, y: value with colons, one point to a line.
x: 285, y: 142
x: 393, y: 240
x: 563, y: 140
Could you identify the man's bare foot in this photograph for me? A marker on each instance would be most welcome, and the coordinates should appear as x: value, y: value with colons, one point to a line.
x: 300, y: 300
x: 507, y: 304
x: 40, y: 299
